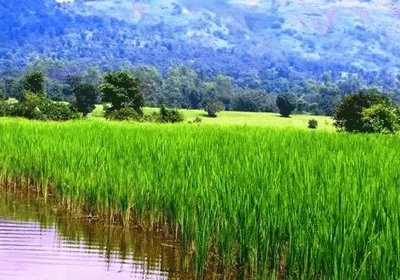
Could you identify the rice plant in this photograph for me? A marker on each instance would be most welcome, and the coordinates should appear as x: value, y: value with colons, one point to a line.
x: 261, y: 203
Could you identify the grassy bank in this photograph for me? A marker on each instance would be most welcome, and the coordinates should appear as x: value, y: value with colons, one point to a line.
x: 303, y: 204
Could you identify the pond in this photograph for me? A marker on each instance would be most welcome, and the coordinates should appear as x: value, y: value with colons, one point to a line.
x: 40, y: 240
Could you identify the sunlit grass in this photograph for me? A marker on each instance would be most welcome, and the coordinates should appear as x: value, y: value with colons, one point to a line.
x: 246, y: 118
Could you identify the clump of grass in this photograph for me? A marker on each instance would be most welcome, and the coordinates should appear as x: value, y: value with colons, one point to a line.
x: 265, y: 202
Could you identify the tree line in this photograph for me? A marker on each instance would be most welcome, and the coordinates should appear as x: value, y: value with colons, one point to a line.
x: 184, y: 87
x: 124, y: 93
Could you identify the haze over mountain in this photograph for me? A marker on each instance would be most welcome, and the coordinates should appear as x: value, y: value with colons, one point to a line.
x: 230, y: 36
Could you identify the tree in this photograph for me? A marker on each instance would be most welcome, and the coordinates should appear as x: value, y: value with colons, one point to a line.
x: 151, y: 82
x: 34, y: 82
x: 12, y: 87
x: 367, y: 111
x: 212, y: 106
x: 123, y: 90
x: 86, y: 97
x: 286, y: 103
x: 182, y: 88
x: 302, y: 106
x: 224, y: 89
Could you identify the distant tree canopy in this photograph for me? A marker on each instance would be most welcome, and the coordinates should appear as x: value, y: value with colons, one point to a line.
x: 185, y: 87
x: 367, y: 111
x: 123, y: 90
x: 286, y: 103
x: 252, y: 100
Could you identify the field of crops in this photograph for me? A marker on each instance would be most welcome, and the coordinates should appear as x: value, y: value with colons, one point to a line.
x: 244, y: 118
x: 285, y: 203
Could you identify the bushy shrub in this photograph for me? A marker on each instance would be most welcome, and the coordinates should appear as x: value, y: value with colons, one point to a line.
x: 123, y: 114
x: 31, y: 106
x: 381, y: 118
x: 37, y: 107
x: 7, y: 109
x: 313, y: 124
x: 367, y: 111
x: 153, y: 117
x: 57, y: 111
x: 170, y: 115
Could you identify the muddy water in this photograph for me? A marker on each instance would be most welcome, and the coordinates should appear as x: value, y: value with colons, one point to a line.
x: 39, y: 240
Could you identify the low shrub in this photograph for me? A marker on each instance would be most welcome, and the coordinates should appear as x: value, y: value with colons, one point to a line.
x: 170, y: 115
x: 31, y: 106
x: 124, y: 114
x: 57, y: 111
x: 153, y: 117
x: 7, y: 109
x: 313, y: 124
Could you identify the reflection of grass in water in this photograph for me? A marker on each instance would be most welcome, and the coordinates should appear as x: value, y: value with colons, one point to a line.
x: 307, y: 204
x: 111, y: 240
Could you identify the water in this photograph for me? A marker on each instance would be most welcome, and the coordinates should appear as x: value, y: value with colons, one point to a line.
x: 40, y: 240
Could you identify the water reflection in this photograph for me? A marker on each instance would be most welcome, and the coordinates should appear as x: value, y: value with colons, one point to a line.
x: 38, y: 240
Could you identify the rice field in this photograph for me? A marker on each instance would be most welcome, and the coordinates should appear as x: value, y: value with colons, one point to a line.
x: 243, y: 118
x: 259, y: 202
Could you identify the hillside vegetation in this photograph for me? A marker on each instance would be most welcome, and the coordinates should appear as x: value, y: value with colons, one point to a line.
x: 274, y: 39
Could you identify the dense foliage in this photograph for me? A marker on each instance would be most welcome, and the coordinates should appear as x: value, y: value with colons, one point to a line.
x: 367, y: 111
x: 122, y: 90
x: 183, y: 87
x: 34, y: 82
x: 170, y: 115
x: 123, y: 114
x: 286, y: 104
x: 86, y: 96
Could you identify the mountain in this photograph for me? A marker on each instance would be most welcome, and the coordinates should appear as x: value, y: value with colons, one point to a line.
x: 301, y: 39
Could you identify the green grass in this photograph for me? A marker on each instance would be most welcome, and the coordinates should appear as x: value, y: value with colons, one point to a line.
x: 301, y: 204
x: 246, y: 118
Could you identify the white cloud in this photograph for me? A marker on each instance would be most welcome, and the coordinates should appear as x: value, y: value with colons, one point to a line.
x: 64, y: 1
x: 248, y: 2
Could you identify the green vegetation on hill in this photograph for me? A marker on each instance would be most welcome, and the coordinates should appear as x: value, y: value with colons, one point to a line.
x: 259, y: 201
x: 282, y: 42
